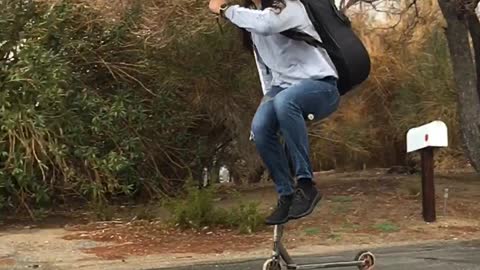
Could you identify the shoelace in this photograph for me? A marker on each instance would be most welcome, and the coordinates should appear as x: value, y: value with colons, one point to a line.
x: 281, y: 202
x: 299, y: 195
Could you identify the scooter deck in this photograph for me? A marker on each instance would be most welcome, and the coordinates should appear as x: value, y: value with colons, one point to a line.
x: 325, y: 265
x: 365, y: 260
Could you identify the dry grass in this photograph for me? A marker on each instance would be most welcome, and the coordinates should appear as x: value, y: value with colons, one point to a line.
x: 406, y: 88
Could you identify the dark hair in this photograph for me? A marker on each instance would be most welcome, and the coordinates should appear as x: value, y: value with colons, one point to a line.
x: 278, y: 5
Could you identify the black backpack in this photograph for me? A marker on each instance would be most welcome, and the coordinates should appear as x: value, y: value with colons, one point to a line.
x: 346, y: 50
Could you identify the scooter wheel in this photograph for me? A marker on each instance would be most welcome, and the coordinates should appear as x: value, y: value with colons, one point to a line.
x: 272, y: 264
x: 368, y: 260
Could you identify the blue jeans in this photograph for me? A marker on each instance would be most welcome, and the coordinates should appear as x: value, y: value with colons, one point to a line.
x: 284, y: 112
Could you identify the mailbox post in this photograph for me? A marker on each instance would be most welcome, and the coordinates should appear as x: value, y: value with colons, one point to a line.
x: 425, y: 139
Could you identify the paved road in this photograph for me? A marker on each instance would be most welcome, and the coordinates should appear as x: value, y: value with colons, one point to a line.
x: 457, y: 256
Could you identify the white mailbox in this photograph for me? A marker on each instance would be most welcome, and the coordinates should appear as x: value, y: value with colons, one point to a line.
x: 434, y: 134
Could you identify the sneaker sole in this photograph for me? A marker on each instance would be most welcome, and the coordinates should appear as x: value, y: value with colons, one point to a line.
x: 310, y: 210
x: 268, y: 223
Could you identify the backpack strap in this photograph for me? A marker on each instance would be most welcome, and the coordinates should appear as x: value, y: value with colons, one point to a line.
x: 301, y: 36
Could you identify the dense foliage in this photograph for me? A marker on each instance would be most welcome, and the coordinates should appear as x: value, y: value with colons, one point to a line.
x: 105, y: 100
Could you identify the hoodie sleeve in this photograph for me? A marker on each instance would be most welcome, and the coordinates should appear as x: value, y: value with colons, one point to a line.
x: 265, y: 22
x: 264, y: 73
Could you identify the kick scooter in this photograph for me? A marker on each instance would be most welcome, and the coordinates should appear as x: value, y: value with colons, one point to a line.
x: 281, y: 260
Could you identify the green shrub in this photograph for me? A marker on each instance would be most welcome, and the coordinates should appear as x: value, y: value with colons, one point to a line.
x: 246, y: 218
x: 198, y: 210
x: 75, y: 121
x: 94, y: 104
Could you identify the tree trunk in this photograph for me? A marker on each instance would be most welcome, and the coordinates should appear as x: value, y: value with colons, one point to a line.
x: 465, y: 76
x: 474, y: 26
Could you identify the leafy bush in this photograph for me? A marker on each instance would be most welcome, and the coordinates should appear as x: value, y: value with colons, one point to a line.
x: 246, y: 218
x: 76, y: 106
x: 101, y: 102
x: 198, y: 210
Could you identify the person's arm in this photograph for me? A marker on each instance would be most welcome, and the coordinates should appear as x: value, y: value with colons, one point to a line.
x: 264, y: 73
x: 263, y: 22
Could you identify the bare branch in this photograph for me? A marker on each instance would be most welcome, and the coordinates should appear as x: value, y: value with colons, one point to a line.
x: 379, y: 6
x: 351, y: 3
x: 376, y: 3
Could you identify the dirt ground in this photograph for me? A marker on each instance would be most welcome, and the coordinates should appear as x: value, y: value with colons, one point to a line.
x: 370, y: 208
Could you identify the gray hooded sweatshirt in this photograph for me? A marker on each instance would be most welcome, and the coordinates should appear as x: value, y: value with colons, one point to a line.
x: 282, y: 61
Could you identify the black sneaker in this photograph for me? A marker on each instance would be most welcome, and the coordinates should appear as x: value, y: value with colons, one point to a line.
x: 305, y: 199
x: 280, y: 214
